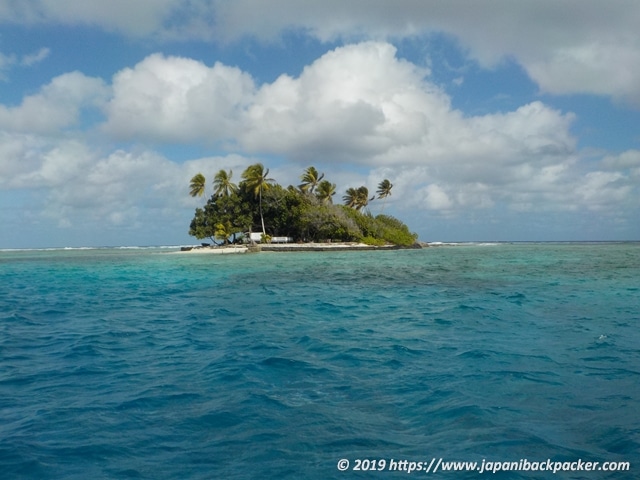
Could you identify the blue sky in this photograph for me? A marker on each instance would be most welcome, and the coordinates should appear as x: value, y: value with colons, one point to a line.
x: 494, y: 120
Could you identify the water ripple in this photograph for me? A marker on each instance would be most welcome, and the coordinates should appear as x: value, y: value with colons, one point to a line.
x: 118, y: 364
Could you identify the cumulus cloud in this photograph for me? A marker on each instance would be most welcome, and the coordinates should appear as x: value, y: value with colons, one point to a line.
x: 19, y: 155
x: 573, y: 46
x: 583, y: 46
x: 359, y: 103
x: 628, y: 160
x: 79, y: 187
x: 362, y: 105
x: 49, y: 165
x: 177, y: 99
x: 360, y: 113
x: 72, y: 195
x: 596, y: 68
x: 56, y: 106
x: 354, y: 102
x: 114, y: 188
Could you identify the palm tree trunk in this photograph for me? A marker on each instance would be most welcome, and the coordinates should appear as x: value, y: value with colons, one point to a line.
x: 261, y: 217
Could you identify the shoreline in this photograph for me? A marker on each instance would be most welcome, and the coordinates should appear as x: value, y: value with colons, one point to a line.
x: 292, y: 247
x: 172, y: 248
x: 228, y: 250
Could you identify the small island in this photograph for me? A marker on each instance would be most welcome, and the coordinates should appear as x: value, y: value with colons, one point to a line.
x: 259, y: 214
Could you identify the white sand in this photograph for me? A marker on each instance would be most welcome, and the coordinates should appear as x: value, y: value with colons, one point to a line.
x: 217, y: 250
x: 288, y: 247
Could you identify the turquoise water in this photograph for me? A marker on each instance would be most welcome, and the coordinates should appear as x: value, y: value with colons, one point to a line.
x: 142, y: 364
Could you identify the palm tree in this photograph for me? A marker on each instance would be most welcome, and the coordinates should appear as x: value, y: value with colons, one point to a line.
x: 384, y: 190
x: 223, y: 185
x: 350, y: 198
x: 310, y: 180
x: 255, y: 178
x: 197, y: 185
x: 223, y: 231
x: 362, y: 197
x: 326, y: 190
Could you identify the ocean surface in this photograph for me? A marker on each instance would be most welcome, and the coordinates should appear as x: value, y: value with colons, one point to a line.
x: 138, y: 363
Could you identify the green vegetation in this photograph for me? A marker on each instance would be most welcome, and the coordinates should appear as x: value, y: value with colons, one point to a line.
x: 384, y: 190
x: 305, y: 213
x: 197, y: 186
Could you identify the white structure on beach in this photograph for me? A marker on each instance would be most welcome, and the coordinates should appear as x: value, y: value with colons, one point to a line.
x: 257, y: 237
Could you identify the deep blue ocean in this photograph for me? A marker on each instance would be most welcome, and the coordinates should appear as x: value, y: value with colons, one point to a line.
x: 138, y: 363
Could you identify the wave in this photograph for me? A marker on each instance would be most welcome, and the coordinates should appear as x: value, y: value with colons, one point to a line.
x: 532, y: 242
x: 463, y: 244
x: 121, y: 247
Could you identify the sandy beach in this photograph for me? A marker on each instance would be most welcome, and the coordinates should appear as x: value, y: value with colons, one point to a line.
x: 227, y: 250
x: 286, y: 247
x: 320, y: 247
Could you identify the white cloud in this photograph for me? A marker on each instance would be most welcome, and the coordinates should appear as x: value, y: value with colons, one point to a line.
x: 19, y: 155
x: 629, y: 159
x: 353, y: 103
x: 435, y: 198
x: 603, y: 190
x: 360, y: 104
x: 61, y: 166
x: 573, y: 46
x: 10, y: 61
x: 112, y: 188
x: 177, y: 99
x: 35, y: 58
x: 76, y: 187
x: 603, y: 69
x: 138, y: 190
x: 33, y: 162
x: 359, y: 113
x: 584, y: 46
x: 139, y: 18
x: 56, y: 106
